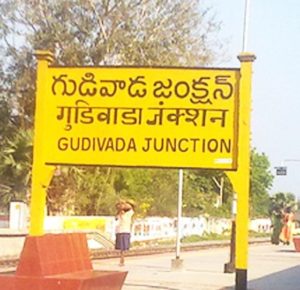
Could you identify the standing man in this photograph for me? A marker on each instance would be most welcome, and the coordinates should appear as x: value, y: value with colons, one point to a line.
x: 125, y: 211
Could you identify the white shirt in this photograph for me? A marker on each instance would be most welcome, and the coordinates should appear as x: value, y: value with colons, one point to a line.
x: 124, y: 222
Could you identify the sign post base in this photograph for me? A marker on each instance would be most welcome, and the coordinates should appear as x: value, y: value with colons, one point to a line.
x: 59, y: 262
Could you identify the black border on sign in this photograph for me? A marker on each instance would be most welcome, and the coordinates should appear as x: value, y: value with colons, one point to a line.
x: 236, y: 114
x: 136, y: 166
x: 143, y: 67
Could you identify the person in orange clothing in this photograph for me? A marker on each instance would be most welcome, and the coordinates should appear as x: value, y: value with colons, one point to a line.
x: 286, y: 235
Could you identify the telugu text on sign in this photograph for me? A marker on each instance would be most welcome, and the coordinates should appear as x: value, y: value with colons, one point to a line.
x: 142, y: 117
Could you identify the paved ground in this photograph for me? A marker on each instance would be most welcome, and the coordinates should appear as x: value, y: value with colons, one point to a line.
x: 270, y: 268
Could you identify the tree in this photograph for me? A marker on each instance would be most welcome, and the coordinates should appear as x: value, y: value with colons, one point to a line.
x: 82, y: 191
x: 87, y: 32
x: 99, y: 32
x: 261, y: 180
x: 202, y: 193
x: 280, y: 201
x: 15, y: 167
x: 7, y: 124
x: 154, y: 190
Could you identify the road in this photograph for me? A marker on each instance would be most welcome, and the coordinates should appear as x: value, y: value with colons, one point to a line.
x: 270, y: 268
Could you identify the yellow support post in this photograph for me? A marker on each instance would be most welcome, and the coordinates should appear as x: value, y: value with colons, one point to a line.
x: 241, y: 178
x: 41, y: 174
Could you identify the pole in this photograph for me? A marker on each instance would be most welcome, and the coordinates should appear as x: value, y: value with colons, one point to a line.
x: 177, y: 263
x: 41, y: 174
x: 246, y: 21
x: 242, y: 220
x: 230, y: 266
x: 241, y: 178
x: 179, y: 212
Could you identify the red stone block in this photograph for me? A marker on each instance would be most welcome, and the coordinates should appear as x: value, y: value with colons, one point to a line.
x: 59, y: 262
x: 296, y: 241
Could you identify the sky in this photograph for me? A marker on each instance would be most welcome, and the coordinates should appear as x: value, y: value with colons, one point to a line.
x: 273, y: 36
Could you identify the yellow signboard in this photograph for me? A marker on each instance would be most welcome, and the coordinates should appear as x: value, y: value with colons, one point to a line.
x: 141, y: 117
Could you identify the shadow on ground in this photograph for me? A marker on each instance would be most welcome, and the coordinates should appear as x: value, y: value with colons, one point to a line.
x: 151, y: 286
x: 283, y: 280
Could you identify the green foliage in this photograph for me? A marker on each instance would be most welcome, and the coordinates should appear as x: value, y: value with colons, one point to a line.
x: 201, y: 193
x: 280, y: 201
x: 100, y: 32
x: 7, y: 122
x: 82, y: 191
x: 155, y: 190
x: 261, y: 180
x: 90, y: 32
x: 15, y: 167
x: 205, y: 237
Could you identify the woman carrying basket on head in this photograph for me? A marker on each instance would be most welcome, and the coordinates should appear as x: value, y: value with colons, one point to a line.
x: 125, y: 211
